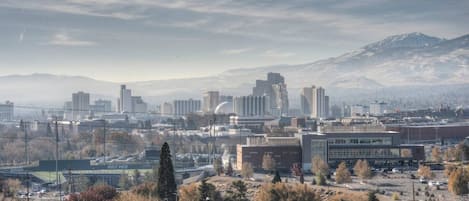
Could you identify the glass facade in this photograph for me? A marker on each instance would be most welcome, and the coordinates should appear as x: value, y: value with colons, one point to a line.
x: 319, y: 147
x: 363, y: 153
x: 361, y: 141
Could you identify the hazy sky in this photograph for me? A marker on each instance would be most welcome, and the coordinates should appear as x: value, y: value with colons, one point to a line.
x: 127, y: 40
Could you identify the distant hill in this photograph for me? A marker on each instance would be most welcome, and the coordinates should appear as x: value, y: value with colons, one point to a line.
x: 397, y: 63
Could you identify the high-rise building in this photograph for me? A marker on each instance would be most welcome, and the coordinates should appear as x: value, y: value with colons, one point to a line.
x: 80, y: 104
x: 6, y: 111
x: 250, y: 105
x: 318, y: 102
x: 166, y: 109
x: 211, y: 100
x: 138, y: 105
x: 280, y: 102
x: 125, y: 100
x: 275, y: 90
x: 359, y: 110
x: 326, y: 106
x: 184, y: 107
x: 306, y: 97
x: 378, y: 108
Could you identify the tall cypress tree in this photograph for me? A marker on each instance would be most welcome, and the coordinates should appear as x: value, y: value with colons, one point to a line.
x: 276, y: 178
x: 166, y: 181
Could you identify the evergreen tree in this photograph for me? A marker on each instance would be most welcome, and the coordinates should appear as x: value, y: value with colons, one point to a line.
x: 207, y: 190
x: 166, y: 180
x: 218, y: 166
x: 302, y: 178
x: 276, y: 178
x: 237, y: 191
x: 372, y: 196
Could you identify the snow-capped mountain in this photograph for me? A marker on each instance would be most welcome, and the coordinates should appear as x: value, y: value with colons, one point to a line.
x: 413, y: 59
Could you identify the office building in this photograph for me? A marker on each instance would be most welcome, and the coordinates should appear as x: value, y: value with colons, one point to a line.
x: 250, y: 105
x: 318, y: 102
x: 378, y: 108
x: 166, y: 109
x: 6, y: 111
x: 125, y: 100
x: 102, y: 106
x: 306, y: 97
x: 184, y: 107
x: 211, y: 99
x: 80, y: 105
x: 379, y: 148
x: 275, y: 90
x: 138, y: 105
x: 358, y: 110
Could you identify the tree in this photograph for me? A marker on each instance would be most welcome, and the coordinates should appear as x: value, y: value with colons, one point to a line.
x: 147, y: 189
x: 137, y: 175
x: 362, y: 169
x: 320, y: 179
x: 237, y: 191
x: 342, y: 174
x: 96, y: 193
x: 11, y: 186
x: 319, y: 166
x: 283, y: 191
x: 436, y: 155
x: 246, y: 170
x: 207, y: 190
x: 166, y: 180
x: 189, y: 192
x: 302, y: 178
x: 449, y: 169
x: 372, y: 196
x: 268, y: 163
x: 277, y: 178
x: 218, y: 166
x: 124, y: 181
x: 229, y: 169
x: 457, y: 182
x: 425, y: 172
x: 296, y: 170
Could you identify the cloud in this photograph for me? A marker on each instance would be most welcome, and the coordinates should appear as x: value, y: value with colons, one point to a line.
x: 277, y: 54
x: 62, y: 39
x: 235, y: 51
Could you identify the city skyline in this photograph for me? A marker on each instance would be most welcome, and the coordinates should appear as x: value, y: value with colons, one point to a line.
x: 124, y: 41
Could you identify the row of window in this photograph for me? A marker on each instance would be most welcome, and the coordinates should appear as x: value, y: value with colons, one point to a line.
x: 364, y: 153
x: 361, y: 141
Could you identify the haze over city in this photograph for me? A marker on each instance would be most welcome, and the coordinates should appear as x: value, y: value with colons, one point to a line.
x: 124, y: 41
x: 234, y: 100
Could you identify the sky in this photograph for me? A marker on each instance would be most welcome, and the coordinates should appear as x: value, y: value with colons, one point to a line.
x: 136, y: 40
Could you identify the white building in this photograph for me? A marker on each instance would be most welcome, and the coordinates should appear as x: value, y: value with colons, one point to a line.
x: 250, y: 105
x: 318, y: 103
x: 125, y: 100
x: 184, y: 107
x: 378, y: 108
x: 166, y: 109
x: 80, y: 105
x: 138, y: 105
x: 358, y: 110
x: 105, y: 105
x: 6, y: 111
x: 211, y: 99
x: 306, y: 97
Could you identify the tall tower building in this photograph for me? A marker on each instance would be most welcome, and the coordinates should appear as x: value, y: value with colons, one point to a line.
x: 275, y: 90
x: 318, y: 102
x: 125, y: 100
x: 80, y: 104
x: 306, y: 97
x: 6, y: 111
x: 211, y: 100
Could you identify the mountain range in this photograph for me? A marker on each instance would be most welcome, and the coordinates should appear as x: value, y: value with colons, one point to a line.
x: 387, y: 68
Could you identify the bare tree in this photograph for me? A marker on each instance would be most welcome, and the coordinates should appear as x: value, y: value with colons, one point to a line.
x: 436, y: 155
x: 319, y: 166
x: 342, y: 174
x: 362, y: 169
x: 247, y: 171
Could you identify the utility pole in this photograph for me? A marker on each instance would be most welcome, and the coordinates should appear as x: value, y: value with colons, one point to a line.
x: 57, y: 158
x: 413, y: 191
x: 104, y: 143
